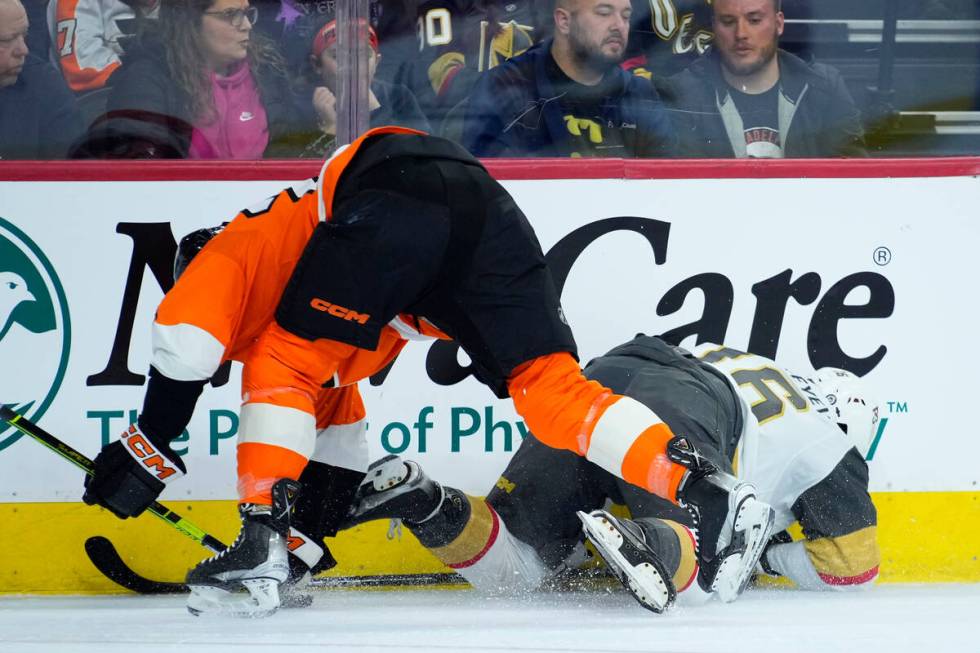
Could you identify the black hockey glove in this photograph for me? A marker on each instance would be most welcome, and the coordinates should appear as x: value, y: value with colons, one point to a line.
x: 131, y: 473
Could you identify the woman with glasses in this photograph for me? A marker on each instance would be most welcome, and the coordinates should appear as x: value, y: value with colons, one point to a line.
x: 201, y: 84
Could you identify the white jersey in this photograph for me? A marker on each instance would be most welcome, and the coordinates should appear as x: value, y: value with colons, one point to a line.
x: 85, y: 39
x: 789, y: 442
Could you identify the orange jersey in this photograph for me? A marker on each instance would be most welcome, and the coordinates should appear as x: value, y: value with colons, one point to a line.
x: 308, y: 301
x: 223, y: 306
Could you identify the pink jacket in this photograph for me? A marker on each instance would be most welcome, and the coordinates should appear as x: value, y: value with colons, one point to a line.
x: 240, y: 129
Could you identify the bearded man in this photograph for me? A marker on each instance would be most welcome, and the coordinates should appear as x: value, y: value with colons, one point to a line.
x: 568, y: 96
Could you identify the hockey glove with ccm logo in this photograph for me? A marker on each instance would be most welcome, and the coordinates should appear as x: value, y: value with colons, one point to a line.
x: 130, y: 474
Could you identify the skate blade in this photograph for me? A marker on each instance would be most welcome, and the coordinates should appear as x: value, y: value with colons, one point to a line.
x: 753, y: 522
x: 260, y: 599
x: 648, y: 584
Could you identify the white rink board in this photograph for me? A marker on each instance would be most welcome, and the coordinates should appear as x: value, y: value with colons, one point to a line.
x: 745, y: 230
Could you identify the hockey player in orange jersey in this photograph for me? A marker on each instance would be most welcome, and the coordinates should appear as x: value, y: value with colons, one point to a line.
x: 401, y: 236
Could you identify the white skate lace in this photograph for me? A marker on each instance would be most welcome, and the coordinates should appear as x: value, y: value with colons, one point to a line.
x: 394, y: 529
x: 238, y: 540
x: 245, y: 508
x: 695, y: 529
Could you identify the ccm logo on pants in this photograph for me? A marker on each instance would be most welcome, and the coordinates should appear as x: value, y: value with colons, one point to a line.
x: 339, y: 311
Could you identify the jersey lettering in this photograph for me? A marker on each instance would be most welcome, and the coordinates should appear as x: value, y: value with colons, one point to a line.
x: 772, y: 386
x: 66, y: 33
x: 687, y: 42
x: 436, y: 28
x: 663, y: 17
x: 772, y: 403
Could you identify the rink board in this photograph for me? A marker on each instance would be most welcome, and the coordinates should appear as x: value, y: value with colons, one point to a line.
x: 924, y: 537
x: 869, y: 267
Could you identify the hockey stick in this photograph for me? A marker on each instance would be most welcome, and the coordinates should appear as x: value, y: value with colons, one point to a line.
x: 81, y: 461
x: 106, y: 559
x: 104, y: 556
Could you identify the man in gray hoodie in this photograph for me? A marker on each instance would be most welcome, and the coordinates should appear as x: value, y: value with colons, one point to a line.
x: 747, y: 98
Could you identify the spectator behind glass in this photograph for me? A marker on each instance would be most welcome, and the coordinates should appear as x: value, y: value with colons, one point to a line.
x: 202, y: 86
x: 292, y: 25
x: 38, y: 117
x: 87, y: 36
x: 748, y: 98
x: 568, y: 96
x: 391, y: 104
x: 460, y: 39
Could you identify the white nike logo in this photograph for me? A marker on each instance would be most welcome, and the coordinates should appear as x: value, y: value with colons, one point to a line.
x: 246, y: 116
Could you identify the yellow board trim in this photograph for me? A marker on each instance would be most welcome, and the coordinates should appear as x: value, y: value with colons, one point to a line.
x: 924, y: 537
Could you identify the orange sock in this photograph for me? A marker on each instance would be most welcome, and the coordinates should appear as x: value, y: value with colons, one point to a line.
x: 260, y: 466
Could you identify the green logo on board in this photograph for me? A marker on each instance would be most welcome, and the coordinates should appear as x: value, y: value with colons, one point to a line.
x: 35, y: 329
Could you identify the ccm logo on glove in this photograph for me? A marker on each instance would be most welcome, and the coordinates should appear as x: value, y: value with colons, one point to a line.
x: 146, y: 455
x: 339, y: 311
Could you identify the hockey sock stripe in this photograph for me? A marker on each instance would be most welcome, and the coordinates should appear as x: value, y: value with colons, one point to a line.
x: 630, y: 441
x: 860, y: 579
x: 491, y: 540
x: 476, y: 538
x: 687, y: 568
x: 849, y: 559
x: 280, y: 425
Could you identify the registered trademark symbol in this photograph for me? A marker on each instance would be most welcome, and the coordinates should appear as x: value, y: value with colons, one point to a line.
x: 882, y: 256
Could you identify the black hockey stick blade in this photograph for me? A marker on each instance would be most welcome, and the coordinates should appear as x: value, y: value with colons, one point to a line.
x: 107, y: 560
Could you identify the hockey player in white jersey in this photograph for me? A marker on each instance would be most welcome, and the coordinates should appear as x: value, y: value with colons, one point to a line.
x: 799, y: 440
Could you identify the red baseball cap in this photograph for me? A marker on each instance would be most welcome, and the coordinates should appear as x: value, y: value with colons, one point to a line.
x: 327, y: 36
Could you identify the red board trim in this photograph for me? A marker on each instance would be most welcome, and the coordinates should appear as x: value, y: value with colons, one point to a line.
x: 503, y: 169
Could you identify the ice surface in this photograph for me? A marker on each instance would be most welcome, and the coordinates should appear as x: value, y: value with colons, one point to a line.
x: 888, y: 618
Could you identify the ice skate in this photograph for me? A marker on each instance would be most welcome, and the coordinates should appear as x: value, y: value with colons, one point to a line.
x: 396, y: 489
x: 740, y: 542
x: 731, y: 524
x: 623, y: 546
x: 244, y: 579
